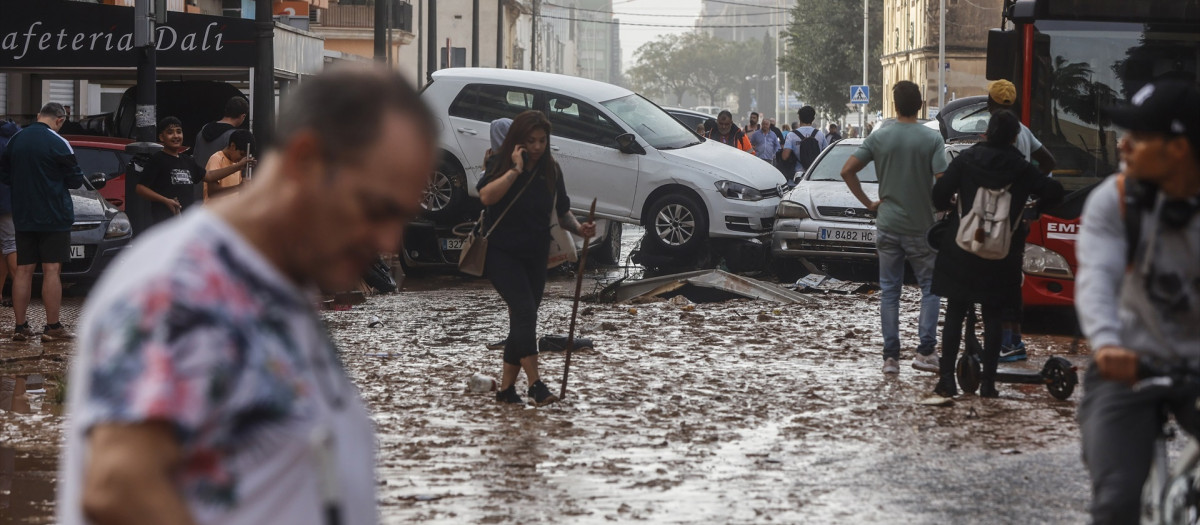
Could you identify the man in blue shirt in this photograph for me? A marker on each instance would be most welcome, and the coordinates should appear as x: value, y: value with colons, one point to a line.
x: 764, y: 142
x: 40, y: 167
x: 805, y: 142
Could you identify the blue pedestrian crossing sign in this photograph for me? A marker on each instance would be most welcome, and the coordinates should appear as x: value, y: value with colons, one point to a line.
x: 860, y: 94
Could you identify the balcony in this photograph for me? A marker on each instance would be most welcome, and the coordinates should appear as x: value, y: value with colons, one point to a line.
x: 361, y: 14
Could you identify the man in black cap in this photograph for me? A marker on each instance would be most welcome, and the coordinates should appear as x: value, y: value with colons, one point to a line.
x: 1138, y: 290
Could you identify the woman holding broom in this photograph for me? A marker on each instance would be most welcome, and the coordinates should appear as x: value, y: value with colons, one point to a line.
x: 521, y: 189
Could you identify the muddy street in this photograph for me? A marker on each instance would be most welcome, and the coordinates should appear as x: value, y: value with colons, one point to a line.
x: 734, y: 412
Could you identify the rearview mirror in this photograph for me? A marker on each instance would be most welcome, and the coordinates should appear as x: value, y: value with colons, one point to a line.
x: 97, y: 180
x: 629, y: 145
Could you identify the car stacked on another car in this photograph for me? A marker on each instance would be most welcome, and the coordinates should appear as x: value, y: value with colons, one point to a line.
x: 640, y: 164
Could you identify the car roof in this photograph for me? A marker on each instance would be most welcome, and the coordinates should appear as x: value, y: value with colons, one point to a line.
x: 116, y: 143
x: 592, y: 89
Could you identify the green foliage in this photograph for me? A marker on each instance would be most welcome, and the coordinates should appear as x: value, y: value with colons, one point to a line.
x: 696, y: 62
x: 824, y: 55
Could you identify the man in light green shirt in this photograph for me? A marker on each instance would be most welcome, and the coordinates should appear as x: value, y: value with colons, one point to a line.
x: 908, y: 157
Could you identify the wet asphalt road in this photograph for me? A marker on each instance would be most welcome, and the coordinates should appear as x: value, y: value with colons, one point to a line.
x: 736, y: 412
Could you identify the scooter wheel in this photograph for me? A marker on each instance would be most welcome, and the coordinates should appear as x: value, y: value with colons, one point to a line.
x: 1061, y: 377
x: 969, y: 371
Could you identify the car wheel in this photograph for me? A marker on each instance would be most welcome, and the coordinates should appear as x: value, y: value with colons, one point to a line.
x: 609, y: 252
x: 676, y: 224
x: 445, y: 193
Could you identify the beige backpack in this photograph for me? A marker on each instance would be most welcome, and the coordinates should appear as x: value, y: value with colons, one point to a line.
x: 986, y: 230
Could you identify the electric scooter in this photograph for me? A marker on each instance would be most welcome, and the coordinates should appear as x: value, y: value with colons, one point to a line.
x: 1058, y: 374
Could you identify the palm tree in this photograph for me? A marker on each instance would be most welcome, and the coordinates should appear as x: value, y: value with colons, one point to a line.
x: 1067, y: 86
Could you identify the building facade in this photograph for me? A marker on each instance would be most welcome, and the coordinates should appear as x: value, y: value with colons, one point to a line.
x: 910, y: 48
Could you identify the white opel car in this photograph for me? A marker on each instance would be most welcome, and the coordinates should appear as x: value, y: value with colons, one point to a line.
x: 641, y: 165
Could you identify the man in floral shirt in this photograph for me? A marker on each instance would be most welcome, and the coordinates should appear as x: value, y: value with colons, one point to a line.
x: 206, y: 389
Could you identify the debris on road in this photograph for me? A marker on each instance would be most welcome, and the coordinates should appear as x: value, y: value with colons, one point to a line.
x: 481, y: 383
x: 815, y: 282
x: 704, y: 286
x: 558, y: 343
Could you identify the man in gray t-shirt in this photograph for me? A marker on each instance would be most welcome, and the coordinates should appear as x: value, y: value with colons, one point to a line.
x: 908, y: 157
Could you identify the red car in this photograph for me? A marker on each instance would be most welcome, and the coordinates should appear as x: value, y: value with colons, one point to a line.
x: 104, y: 155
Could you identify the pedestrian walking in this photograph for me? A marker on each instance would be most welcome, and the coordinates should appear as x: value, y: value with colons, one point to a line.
x: 1138, y: 291
x: 963, y: 277
x: 804, y: 144
x: 228, y: 166
x: 8, y: 231
x: 908, y: 157
x: 521, y: 191
x: 764, y: 143
x: 40, y: 167
x: 206, y: 388
x: 833, y: 135
x: 1002, y: 96
x: 728, y: 134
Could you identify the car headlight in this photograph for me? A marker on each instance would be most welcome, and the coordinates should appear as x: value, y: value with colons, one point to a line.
x: 740, y: 192
x: 1045, y: 263
x: 119, y: 226
x: 791, y: 210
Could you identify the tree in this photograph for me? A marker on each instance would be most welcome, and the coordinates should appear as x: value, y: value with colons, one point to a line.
x: 824, y: 56
x: 659, y: 71
x: 1067, y: 83
x: 711, y: 63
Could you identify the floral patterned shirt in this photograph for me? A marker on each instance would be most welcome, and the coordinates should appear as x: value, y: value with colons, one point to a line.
x: 192, y: 327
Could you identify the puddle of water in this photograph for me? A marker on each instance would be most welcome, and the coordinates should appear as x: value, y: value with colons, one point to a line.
x: 26, y: 486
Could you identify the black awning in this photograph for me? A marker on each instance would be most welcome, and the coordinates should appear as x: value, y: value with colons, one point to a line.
x: 58, y: 33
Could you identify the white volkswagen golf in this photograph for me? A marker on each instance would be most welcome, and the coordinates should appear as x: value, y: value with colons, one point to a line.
x: 641, y: 165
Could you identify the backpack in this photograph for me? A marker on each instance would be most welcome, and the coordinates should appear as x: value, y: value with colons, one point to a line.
x: 986, y: 230
x: 809, y: 149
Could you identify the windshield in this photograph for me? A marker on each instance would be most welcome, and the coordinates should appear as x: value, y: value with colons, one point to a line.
x: 651, y: 123
x: 829, y: 167
x: 1081, y: 67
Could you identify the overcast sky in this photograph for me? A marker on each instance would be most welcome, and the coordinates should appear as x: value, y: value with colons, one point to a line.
x: 632, y: 37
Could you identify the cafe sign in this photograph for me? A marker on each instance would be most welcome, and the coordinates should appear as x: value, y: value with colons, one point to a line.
x: 58, y: 33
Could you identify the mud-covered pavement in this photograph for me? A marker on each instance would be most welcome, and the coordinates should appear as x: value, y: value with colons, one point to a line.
x: 736, y: 412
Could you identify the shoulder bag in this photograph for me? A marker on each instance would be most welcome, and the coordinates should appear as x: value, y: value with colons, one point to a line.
x: 474, y: 251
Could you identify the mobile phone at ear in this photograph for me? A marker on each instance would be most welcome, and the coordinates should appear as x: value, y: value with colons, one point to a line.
x: 525, y: 157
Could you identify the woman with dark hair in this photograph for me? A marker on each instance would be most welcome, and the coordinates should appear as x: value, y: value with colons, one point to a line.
x: 964, y: 278
x: 521, y: 189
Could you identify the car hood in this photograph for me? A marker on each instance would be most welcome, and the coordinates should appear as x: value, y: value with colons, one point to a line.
x: 828, y: 193
x: 726, y: 163
x: 91, y: 206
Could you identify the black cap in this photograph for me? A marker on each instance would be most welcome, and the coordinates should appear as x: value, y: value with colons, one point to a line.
x: 1170, y: 107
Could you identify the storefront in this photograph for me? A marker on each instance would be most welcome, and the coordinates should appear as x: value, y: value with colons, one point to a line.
x: 82, y: 55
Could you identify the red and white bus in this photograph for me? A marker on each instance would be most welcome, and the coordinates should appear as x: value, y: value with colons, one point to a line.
x: 1069, y: 59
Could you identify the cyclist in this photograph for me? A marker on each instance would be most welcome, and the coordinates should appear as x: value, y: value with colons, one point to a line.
x: 1138, y: 291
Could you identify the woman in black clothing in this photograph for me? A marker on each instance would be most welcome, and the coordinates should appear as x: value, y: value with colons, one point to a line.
x: 527, y: 182
x: 964, y: 278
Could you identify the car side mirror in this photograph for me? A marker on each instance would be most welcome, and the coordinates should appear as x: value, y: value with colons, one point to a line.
x: 629, y: 145
x: 97, y: 180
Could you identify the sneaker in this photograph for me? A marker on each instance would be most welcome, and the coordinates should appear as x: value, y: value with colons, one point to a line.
x: 540, y: 395
x: 927, y: 363
x: 22, y: 332
x: 891, y: 366
x: 1010, y: 354
x: 56, y: 332
x: 498, y: 345
x: 509, y: 395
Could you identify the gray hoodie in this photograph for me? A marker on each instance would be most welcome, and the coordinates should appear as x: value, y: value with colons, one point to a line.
x: 1154, y: 307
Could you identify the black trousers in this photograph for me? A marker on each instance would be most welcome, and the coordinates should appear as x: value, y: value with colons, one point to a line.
x: 952, y: 333
x: 519, y: 275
